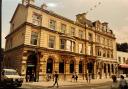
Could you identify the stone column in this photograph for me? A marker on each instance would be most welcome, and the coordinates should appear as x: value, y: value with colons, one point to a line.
x: 56, y: 64
x: 41, y: 63
x: 43, y: 66
x: 84, y: 69
x: 95, y: 70
x: 24, y: 64
x: 107, y: 70
x: 66, y: 70
x: 76, y: 65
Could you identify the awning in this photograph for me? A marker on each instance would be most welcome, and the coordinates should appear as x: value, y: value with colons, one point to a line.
x: 123, y: 66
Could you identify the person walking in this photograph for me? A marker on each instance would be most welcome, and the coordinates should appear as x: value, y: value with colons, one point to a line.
x: 76, y: 76
x: 122, y: 83
x: 115, y: 83
x: 89, y: 78
x: 73, y: 77
x: 56, y: 79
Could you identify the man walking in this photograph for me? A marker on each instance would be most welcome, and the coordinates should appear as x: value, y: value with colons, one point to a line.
x: 56, y: 79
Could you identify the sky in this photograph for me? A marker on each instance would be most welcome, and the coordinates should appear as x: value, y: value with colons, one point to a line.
x: 115, y: 12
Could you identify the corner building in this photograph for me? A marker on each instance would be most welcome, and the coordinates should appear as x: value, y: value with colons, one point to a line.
x: 43, y: 42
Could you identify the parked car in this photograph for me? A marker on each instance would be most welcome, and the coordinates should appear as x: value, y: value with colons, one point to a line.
x: 10, y: 78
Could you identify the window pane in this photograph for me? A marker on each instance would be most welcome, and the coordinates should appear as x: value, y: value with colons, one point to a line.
x: 51, y: 41
x: 63, y: 28
x: 80, y: 34
x: 36, y: 19
x: 34, y: 38
x: 62, y: 43
x: 72, y: 31
x: 52, y: 24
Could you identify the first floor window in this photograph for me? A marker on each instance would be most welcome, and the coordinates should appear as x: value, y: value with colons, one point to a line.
x: 51, y: 41
x: 34, y: 38
x: 80, y: 48
x: 62, y: 43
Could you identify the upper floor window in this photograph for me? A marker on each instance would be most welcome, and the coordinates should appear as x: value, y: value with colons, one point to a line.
x: 90, y: 37
x: 63, y: 28
x: 34, y: 38
x: 103, y: 41
x: 72, y: 31
x: 90, y: 49
x: 80, y: 34
x: 52, y: 25
x: 80, y: 48
x: 62, y: 43
x: 104, y: 53
x: 68, y: 45
x: 98, y: 38
x: 123, y: 59
x: 73, y: 46
x: 36, y: 19
x: 107, y: 42
x: 51, y: 41
x: 119, y: 59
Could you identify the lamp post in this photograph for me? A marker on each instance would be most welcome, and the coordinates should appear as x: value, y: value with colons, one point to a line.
x: 1, y: 58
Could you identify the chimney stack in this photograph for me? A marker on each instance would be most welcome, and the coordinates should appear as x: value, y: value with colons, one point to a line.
x: 44, y: 6
x: 26, y: 2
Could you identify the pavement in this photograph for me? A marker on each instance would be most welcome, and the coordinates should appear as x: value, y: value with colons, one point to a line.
x: 67, y: 83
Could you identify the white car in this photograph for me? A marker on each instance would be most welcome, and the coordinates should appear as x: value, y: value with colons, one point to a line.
x: 10, y: 78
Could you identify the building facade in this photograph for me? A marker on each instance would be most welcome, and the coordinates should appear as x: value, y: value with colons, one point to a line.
x: 122, y: 59
x: 42, y: 42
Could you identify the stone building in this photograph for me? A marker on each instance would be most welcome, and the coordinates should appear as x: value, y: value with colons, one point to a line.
x: 42, y: 42
x: 122, y: 59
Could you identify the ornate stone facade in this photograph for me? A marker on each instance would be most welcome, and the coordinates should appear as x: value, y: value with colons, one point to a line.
x: 43, y: 42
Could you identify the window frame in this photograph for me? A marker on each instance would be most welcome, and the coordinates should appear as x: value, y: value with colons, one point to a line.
x: 49, y: 41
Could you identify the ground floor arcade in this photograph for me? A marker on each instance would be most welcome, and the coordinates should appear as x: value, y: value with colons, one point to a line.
x: 43, y: 62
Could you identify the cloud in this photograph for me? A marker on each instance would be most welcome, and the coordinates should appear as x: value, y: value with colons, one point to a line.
x: 126, y: 19
x: 121, y: 34
x: 52, y: 4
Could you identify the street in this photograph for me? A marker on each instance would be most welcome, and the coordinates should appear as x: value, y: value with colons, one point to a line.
x: 105, y: 85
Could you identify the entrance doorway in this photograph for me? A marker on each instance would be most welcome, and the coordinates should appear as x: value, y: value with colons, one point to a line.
x: 31, y: 68
x: 50, y: 65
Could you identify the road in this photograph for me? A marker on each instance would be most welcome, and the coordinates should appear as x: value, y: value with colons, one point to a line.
x: 105, y: 85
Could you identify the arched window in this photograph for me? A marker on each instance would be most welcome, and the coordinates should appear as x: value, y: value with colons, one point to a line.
x: 112, y: 68
x: 104, y: 68
x: 108, y: 68
x: 61, y: 66
x: 49, y: 65
x: 71, y: 66
x: 80, y: 67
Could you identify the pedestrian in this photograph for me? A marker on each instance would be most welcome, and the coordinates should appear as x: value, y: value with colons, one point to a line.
x: 115, y: 83
x: 122, y: 83
x: 73, y: 77
x: 76, y: 77
x: 56, y: 79
x: 89, y: 78
x: 27, y: 78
